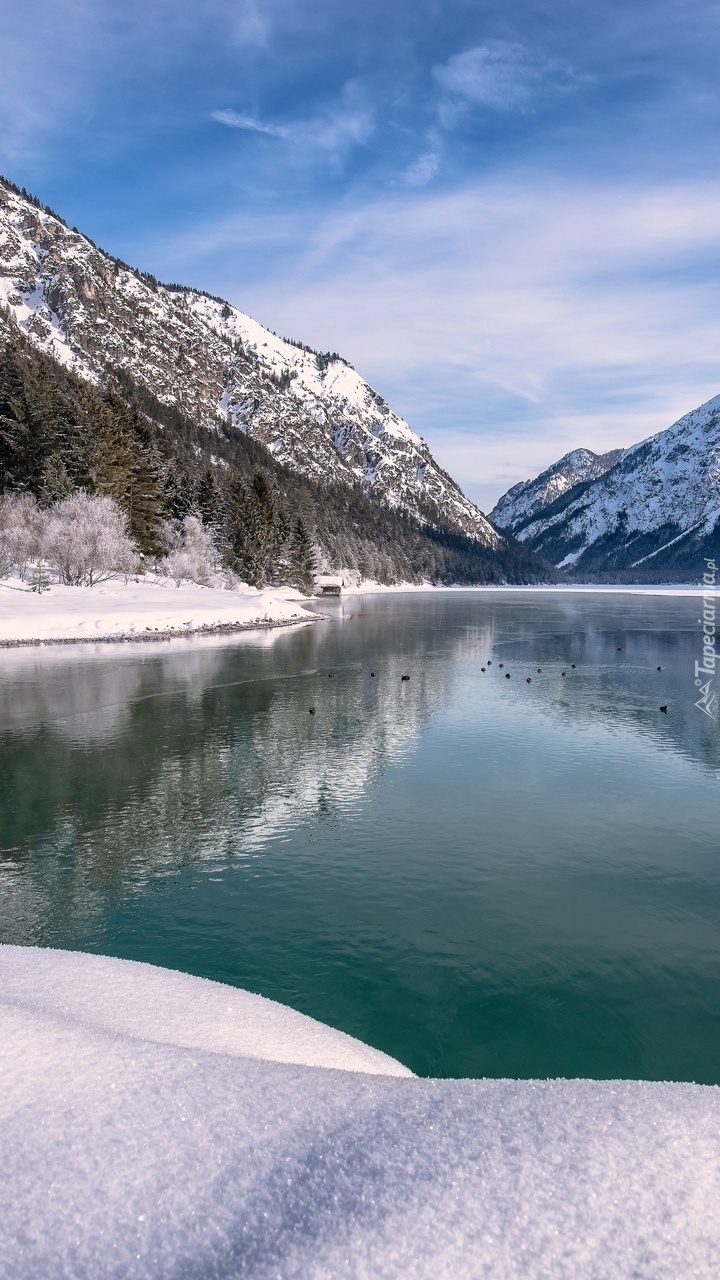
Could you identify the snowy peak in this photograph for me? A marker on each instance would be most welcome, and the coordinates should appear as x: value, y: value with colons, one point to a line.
x: 655, y: 512
x: 524, y: 500
x: 316, y: 414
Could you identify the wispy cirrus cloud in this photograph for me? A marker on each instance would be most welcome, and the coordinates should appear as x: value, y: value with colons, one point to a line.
x: 500, y: 75
x: 509, y: 321
x: 62, y: 62
x: 503, y: 75
x: 346, y: 122
x: 235, y: 120
x: 425, y: 167
x: 420, y: 219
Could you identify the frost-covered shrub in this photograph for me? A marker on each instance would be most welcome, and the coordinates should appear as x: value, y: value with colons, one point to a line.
x: 21, y: 532
x: 231, y: 581
x: 193, y: 557
x: 86, y: 539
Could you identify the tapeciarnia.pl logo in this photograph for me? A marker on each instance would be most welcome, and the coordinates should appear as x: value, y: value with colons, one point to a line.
x: 705, y: 672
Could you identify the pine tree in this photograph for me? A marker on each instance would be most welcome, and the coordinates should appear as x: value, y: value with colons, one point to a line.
x: 209, y: 501
x: 263, y: 521
x: 364, y: 564
x: 18, y: 449
x: 41, y: 578
x: 55, y: 482
x: 179, y: 491
x: 303, y: 558
x: 241, y: 534
x: 106, y: 443
x: 144, y: 498
x: 279, y: 568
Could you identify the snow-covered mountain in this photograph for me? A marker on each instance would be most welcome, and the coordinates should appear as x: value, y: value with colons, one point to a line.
x: 315, y: 413
x: 656, y: 511
x: 525, y: 500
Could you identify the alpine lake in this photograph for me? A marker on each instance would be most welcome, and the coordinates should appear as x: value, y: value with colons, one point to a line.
x: 481, y: 876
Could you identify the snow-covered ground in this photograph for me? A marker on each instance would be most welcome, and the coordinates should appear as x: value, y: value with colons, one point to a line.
x: 154, y: 606
x: 138, y: 608
x: 158, y: 1125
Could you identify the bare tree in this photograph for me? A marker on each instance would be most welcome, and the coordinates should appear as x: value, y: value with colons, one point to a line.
x: 86, y: 540
x: 21, y: 527
x: 192, y: 557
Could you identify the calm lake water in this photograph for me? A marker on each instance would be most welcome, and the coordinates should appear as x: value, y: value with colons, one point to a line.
x: 480, y: 876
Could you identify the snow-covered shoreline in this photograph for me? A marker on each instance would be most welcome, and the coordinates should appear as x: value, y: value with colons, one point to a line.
x: 148, y: 608
x: 153, y: 608
x: 157, y: 1124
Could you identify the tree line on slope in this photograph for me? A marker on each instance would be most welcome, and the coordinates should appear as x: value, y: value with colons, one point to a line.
x: 59, y: 434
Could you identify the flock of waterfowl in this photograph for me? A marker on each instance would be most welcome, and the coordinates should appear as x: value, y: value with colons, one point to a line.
x: 573, y: 667
x: 508, y: 676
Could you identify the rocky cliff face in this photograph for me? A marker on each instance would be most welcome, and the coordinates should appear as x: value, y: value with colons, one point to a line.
x: 313, y: 411
x: 655, y: 512
x: 521, y: 503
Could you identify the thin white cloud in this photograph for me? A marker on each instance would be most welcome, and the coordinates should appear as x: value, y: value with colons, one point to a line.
x: 509, y: 321
x: 250, y: 23
x: 503, y: 75
x: 347, y: 122
x: 234, y: 120
x: 426, y: 166
x: 347, y: 125
x: 60, y: 60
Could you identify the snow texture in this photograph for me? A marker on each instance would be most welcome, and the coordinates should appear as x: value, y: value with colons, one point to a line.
x: 156, y: 1125
x: 138, y: 607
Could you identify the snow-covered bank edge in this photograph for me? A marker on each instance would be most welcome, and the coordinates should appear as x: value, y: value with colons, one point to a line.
x: 158, y: 1124
x: 145, y: 637
x: 149, y: 608
x: 118, y: 612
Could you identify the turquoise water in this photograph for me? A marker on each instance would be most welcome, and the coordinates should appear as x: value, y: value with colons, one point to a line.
x: 480, y: 876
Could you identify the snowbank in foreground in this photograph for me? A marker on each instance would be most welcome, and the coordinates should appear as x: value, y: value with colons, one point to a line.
x: 117, y: 608
x: 140, y: 1141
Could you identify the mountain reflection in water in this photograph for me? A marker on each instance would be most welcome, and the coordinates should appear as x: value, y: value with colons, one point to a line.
x: 445, y: 857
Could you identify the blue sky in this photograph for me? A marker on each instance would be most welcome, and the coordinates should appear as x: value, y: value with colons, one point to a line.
x: 506, y: 215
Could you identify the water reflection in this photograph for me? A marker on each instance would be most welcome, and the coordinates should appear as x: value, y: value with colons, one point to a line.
x: 617, y: 645
x: 126, y: 768
x: 457, y: 867
x: 209, y: 751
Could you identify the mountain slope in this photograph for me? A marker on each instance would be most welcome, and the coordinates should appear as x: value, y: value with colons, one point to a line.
x: 530, y: 497
x: 314, y: 412
x: 59, y: 433
x: 656, y: 512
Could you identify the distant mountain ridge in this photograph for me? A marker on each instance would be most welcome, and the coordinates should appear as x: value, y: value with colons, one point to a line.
x: 312, y: 410
x: 654, y: 513
x: 521, y: 503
